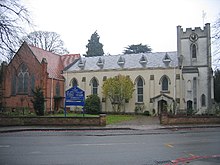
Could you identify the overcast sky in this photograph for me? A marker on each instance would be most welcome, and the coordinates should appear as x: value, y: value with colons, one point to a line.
x: 120, y: 23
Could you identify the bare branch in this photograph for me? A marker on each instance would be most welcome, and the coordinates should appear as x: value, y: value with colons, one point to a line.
x: 13, y: 18
x: 49, y: 41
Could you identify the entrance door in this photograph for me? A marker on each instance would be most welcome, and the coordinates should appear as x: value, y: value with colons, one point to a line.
x: 162, y: 106
x: 189, y: 104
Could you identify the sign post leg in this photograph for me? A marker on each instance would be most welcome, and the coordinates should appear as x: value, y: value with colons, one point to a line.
x: 83, y: 111
x: 65, y: 112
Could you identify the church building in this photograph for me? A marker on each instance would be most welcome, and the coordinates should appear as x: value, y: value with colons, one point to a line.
x: 33, y: 67
x: 178, y: 81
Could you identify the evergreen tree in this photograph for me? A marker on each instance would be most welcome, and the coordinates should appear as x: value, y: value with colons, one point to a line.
x: 38, y: 101
x: 95, y: 48
x: 138, y: 48
x: 217, y: 86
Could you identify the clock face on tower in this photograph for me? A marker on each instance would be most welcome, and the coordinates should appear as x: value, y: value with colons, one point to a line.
x: 193, y: 37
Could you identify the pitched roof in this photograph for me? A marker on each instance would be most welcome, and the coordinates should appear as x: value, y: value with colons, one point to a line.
x: 126, y: 61
x: 55, y: 63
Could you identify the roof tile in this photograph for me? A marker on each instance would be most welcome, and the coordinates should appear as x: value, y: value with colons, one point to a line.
x: 56, y: 63
x: 132, y: 61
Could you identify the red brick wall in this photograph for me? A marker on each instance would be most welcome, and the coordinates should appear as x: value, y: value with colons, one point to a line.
x: 25, y: 56
x: 25, y: 121
x: 52, y: 92
x: 172, y: 120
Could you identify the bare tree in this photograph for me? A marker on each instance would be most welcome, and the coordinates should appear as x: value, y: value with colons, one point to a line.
x: 49, y: 41
x: 216, y: 42
x: 13, y: 18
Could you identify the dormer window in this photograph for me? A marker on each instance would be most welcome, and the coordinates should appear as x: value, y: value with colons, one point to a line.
x: 166, y: 59
x: 81, y: 63
x: 100, y: 62
x: 121, y: 61
x: 143, y: 60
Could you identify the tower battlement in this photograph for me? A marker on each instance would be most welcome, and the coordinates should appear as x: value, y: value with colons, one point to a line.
x: 198, y: 30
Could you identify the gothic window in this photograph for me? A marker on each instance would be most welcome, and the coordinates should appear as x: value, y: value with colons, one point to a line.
x: 57, y: 89
x: 32, y: 84
x: 203, y: 102
x: 13, y: 85
x: 94, y: 84
x: 140, y: 95
x: 74, y: 82
x: 193, y: 49
x: 165, y: 84
x: 23, y: 77
x: 26, y: 77
x: 189, y: 86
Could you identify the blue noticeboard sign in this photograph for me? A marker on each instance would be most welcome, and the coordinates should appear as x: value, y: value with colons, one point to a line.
x: 75, y: 97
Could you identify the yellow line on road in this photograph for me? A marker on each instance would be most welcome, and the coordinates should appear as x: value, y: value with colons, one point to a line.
x: 191, y: 154
x: 169, y: 145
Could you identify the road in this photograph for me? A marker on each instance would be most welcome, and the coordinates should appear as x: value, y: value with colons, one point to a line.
x: 106, y: 147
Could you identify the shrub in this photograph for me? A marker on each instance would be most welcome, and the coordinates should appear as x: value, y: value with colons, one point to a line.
x: 190, y: 111
x: 93, y: 104
x: 146, y: 113
x: 139, y: 108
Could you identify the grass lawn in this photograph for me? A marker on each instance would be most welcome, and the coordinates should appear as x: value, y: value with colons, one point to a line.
x: 110, y: 119
x: 73, y: 115
x: 113, y: 119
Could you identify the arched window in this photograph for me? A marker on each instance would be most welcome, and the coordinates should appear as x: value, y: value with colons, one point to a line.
x: 193, y: 50
x: 189, y: 86
x: 203, y: 102
x: 23, y: 79
x: 32, y: 84
x: 139, y: 86
x: 164, y: 84
x: 26, y: 78
x: 94, y: 84
x: 57, y: 89
x: 74, y: 82
x: 13, y: 85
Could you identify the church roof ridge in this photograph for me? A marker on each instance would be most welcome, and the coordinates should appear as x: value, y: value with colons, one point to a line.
x: 131, y: 61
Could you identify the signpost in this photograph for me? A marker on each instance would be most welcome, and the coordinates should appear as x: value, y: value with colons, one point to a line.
x: 74, y: 97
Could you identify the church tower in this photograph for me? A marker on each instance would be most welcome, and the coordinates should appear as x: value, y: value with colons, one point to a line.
x: 194, y: 53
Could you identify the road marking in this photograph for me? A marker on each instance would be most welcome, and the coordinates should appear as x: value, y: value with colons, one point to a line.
x: 4, y: 146
x: 35, y: 152
x: 103, y: 144
x: 169, y: 145
x: 191, y: 154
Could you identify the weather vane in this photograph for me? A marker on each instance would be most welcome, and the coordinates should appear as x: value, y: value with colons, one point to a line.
x: 203, y: 17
